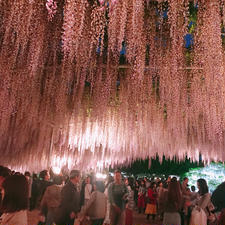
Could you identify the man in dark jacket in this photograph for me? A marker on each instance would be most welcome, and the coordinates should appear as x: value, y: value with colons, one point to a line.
x: 70, y: 200
x: 43, y: 183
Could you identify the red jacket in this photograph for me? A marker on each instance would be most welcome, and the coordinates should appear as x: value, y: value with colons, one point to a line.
x: 152, y: 195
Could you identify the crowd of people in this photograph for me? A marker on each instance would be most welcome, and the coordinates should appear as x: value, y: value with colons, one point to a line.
x: 175, y: 203
x: 76, y: 200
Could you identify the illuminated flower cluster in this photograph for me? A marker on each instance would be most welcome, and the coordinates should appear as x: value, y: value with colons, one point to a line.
x: 108, y: 82
x: 51, y: 6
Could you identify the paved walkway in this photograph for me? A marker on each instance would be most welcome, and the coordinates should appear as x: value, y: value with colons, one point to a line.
x: 139, y: 219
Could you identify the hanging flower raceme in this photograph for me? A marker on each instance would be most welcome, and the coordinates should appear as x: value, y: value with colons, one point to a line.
x: 51, y: 6
x: 74, y: 15
x: 69, y: 95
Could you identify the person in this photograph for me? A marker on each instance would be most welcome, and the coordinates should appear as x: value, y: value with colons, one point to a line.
x: 34, y: 192
x: 117, y: 192
x: 4, y: 173
x: 70, y: 200
x: 184, y: 186
x: 141, y: 197
x: 172, y: 203
x: 147, y: 183
x: 168, y: 180
x: 160, y: 199
x: 130, y: 201
x: 107, y: 217
x: 204, y: 200
x: 15, y: 200
x: 218, y: 200
x: 29, y: 180
x: 96, y: 206
x: 218, y: 197
x: 204, y: 195
x: 44, y: 182
x: 51, y: 200
x: 151, y: 201
x: 194, y: 194
x: 87, y: 189
x: 186, y: 197
x: 136, y: 187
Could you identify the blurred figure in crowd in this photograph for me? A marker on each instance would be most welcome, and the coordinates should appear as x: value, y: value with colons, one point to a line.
x: 141, y: 197
x: 96, y: 206
x: 194, y: 194
x: 34, y: 191
x: 29, y: 180
x: 160, y: 199
x: 51, y: 200
x: 87, y: 189
x: 136, y: 187
x: 130, y: 201
x: 4, y: 173
x: 70, y: 200
x: 117, y: 193
x: 15, y: 200
x: 151, y: 201
x: 107, y: 217
x: 172, y: 203
x: 43, y: 183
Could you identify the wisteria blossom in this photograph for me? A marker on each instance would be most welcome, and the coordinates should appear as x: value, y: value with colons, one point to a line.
x: 104, y: 82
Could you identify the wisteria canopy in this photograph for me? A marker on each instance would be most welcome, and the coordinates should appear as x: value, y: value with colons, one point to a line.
x: 69, y: 97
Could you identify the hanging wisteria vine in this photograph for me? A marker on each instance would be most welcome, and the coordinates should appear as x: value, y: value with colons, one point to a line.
x: 93, y: 83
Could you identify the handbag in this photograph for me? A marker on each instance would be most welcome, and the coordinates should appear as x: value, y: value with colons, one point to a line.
x: 198, y: 216
x: 211, y: 217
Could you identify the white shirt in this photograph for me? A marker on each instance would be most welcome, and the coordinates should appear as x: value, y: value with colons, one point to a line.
x: 87, y: 191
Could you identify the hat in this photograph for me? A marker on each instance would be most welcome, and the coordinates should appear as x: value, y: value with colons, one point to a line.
x: 74, y: 173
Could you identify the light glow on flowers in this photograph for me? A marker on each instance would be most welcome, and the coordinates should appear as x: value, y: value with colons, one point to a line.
x: 56, y: 170
x: 101, y: 176
x: 70, y: 96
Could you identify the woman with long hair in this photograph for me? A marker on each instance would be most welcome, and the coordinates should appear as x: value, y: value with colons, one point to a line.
x: 151, y: 201
x: 15, y: 197
x: 173, y: 203
x: 203, y: 202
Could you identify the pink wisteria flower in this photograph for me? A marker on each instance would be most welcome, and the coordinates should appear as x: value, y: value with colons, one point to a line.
x: 51, y: 6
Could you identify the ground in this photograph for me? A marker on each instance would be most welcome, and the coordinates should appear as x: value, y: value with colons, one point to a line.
x: 139, y: 219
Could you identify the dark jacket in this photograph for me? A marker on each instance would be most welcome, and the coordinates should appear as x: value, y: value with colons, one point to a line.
x: 70, y: 202
x: 42, y: 185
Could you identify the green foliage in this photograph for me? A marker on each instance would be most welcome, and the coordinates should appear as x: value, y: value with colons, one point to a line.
x: 166, y: 167
x: 214, y: 175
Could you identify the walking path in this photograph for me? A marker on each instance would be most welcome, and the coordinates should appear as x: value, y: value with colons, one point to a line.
x: 139, y: 219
